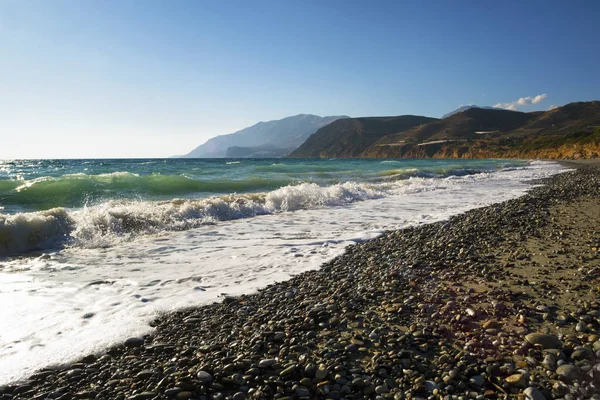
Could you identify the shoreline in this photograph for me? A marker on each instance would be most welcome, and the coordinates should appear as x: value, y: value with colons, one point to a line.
x: 399, y: 316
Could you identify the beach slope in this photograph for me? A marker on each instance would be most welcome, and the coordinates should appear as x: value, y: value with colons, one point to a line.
x: 498, y: 301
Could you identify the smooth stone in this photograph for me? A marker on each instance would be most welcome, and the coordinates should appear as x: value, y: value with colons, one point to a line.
x: 544, y: 340
x: 288, y: 371
x: 381, y: 389
x: 491, y: 324
x: 172, y: 391
x: 269, y: 362
x: 358, y: 382
x: 239, y: 396
x: 74, y: 373
x: 549, y: 361
x: 532, y: 393
x: 430, y: 386
x: 204, y: 377
x: 569, y: 372
x: 581, y: 327
x: 478, y: 380
x: 302, y: 392
x: 145, y: 373
x: 134, y: 342
x: 321, y: 373
x: 581, y: 354
x: 543, y: 309
x: 184, y: 395
x: 517, y: 380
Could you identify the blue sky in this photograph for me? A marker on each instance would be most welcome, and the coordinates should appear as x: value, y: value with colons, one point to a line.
x: 155, y: 78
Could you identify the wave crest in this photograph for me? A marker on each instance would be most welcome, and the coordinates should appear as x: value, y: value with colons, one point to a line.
x: 114, y: 222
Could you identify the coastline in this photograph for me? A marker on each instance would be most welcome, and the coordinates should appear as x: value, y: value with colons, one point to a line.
x: 397, y: 317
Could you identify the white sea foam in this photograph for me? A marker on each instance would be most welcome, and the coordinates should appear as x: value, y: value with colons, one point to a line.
x: 115, y: 222
x: 69, y: 303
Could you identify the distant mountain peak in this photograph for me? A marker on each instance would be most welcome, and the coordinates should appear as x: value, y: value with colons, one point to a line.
x: 284, y: 134
x: 468, y: 107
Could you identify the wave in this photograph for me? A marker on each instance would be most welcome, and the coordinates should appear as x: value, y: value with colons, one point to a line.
x: 78, y: 190
x: 399, y: 172
x: 114, y: 222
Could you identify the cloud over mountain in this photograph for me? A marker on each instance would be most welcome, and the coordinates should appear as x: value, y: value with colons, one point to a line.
x: 522, y: 102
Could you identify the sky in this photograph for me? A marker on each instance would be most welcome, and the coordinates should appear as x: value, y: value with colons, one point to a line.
x: 145, y: 78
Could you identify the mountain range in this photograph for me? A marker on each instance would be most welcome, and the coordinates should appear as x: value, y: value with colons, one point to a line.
x: 264, y: 139
x: 568, y: 132
x: 468, y: 107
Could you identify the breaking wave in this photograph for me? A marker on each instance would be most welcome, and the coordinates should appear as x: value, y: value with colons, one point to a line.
x: 120, y: 219
x: 115, y: 221
x: 77, y: 190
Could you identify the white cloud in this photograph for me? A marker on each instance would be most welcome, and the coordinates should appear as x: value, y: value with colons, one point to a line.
x: 552, y: 107
x: 522, y: 102
x: 506, y: 106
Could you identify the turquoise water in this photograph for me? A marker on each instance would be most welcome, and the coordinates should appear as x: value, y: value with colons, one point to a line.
x: 34, y: 185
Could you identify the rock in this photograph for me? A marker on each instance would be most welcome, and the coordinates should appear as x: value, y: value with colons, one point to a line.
x: 491, y: 324
x: 239, y: 396
x: 430, y: 386
x: 145, y: 374
x: 267, y: 363
x: 381, y: 389
x: 549, y: 362
x: 74, y: 373
x: 204, y: 377
x: 184, y: 395
x: 517, y: 380
x: 581, y: 354
x: 321, y: 373
x: 478, y: 380
x: 532, y: 393
x: 302, y: 392
x: 288, y: 371
x: 543, y: 309
x: 544, y: 340
x: 358, y: 383
x: 172, y: 391
x: 134, y: 342
x: 568, y: 372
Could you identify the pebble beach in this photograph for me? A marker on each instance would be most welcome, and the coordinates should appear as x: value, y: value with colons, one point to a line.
x: 499, y: 302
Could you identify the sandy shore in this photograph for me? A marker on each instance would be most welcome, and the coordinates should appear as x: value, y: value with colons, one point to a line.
x: 499, y: 302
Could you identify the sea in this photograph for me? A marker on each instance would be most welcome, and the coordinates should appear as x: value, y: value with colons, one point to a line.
x: 91, y: 251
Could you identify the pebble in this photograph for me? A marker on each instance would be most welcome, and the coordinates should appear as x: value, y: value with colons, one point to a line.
x: 491, y: 324
x: 134, y: 342
x: 532, y: 393
x: 321, y: 373
x: 568, y: 372
x: 544, y: 340
x: 517, y: 380
x: 267, y: 363
x: 204, y: 377
x: 478, y: 380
